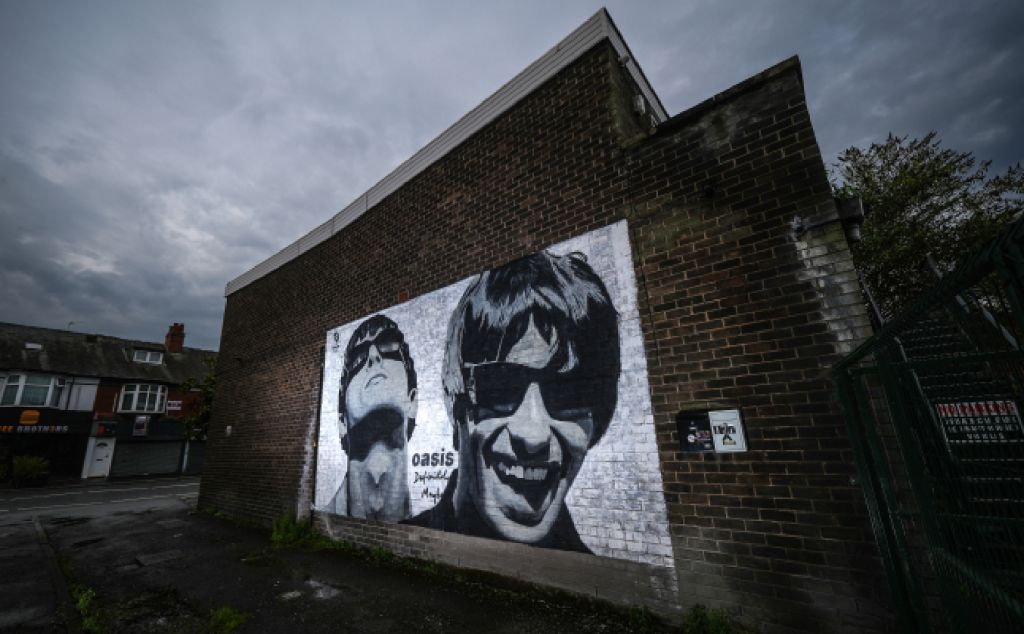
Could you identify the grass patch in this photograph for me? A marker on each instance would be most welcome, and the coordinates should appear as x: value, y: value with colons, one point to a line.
x: 225, y: 620
x: 284, y: 536
x: 88, y: 608
x: 700, y: 620
x: 381, y: 556
x: 642, y: 620
x: 83, y: 600
x: 289, y: 531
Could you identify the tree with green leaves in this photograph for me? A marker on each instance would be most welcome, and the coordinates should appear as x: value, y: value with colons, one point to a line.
x: 197, y: 425
x: 921, y: 200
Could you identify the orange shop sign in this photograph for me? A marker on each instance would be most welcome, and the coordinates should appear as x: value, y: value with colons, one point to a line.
x: 29, y: 417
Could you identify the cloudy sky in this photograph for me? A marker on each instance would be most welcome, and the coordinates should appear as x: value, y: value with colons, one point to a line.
x: 152, y: 151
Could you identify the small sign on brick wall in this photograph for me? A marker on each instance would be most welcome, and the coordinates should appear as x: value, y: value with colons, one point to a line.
x: 694, y: 431
x: 706, y: 431
x: 727, y: 431
x: 141, y: 426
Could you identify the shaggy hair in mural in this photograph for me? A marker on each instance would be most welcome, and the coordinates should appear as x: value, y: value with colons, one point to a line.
x: 532, y: 414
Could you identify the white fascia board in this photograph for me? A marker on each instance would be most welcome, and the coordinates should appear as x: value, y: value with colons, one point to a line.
x: 598, y: 27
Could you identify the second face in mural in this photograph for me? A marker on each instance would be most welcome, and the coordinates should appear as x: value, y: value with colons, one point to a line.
x: 377, y: 412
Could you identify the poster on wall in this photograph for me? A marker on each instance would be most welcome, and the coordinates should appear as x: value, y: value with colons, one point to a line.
x: 511, y: 405
x: 694, y: 429
x: 140, y: 426
x: 727, y: 430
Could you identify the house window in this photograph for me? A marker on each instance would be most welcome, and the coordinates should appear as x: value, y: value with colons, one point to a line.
x: 139, y: 397
x: 149, y: 356
x: 32, y: 390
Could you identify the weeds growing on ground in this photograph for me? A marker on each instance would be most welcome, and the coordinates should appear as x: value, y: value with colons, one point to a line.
x: 87, y: 606
x: 700, y: 620
x: 288, y: 531
x: 380, y: 556
x: 641, y: 620
x: 226, y: 620
x: 83, y: 598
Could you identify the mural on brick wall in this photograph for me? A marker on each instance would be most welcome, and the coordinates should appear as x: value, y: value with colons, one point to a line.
x: 512, y: 405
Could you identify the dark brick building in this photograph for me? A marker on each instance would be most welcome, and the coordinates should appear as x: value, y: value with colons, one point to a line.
x: 717, y: 243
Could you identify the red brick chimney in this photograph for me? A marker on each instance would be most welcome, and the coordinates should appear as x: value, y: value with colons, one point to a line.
x: 175, y: 339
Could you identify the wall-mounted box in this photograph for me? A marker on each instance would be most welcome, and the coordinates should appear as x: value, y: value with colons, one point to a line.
x: 705, y: 431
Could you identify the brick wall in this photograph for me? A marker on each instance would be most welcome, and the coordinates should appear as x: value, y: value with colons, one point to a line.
x: 732, y: 310
x: 744, y: 313
x: 107, y: 394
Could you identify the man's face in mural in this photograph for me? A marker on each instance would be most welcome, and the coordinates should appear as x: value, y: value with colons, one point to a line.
x: 528, y: 432
x: 378, y: 405
x: 376, y: 377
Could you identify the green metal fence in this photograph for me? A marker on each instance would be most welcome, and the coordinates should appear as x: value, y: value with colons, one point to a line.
x: 933, y: 404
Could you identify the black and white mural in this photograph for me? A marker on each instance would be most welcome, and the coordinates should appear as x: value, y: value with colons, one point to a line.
x: 512, y: 405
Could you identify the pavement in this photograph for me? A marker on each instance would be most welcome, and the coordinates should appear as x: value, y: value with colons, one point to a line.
x: 31, y: 586
x: 155, y: 564
x: 34, y: 593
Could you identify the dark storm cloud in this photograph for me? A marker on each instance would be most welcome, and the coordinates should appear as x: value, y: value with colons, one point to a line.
x: 150, y: 152
x: 869, y: 67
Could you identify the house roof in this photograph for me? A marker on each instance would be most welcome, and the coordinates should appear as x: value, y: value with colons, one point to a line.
x: 597, y: 28
x: 66, y: 352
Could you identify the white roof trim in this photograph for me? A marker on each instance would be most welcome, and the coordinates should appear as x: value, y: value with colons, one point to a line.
x: 595, y: 29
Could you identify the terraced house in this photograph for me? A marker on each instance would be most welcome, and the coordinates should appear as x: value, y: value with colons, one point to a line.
x: 97, y: 406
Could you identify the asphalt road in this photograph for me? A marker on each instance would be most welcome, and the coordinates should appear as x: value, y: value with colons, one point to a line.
x: 33, y: 591
x: 95, y: 499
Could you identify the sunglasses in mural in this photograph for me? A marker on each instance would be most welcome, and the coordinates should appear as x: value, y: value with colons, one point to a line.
x: 531, y: 369
x: 388, y: 344
x: 498, y: 389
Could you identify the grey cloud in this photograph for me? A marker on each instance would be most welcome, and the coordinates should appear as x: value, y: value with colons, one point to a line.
x: 150, y: 152
x: 869, y: 67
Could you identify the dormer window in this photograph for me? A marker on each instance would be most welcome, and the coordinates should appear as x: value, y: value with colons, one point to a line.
x: 149, y: 356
